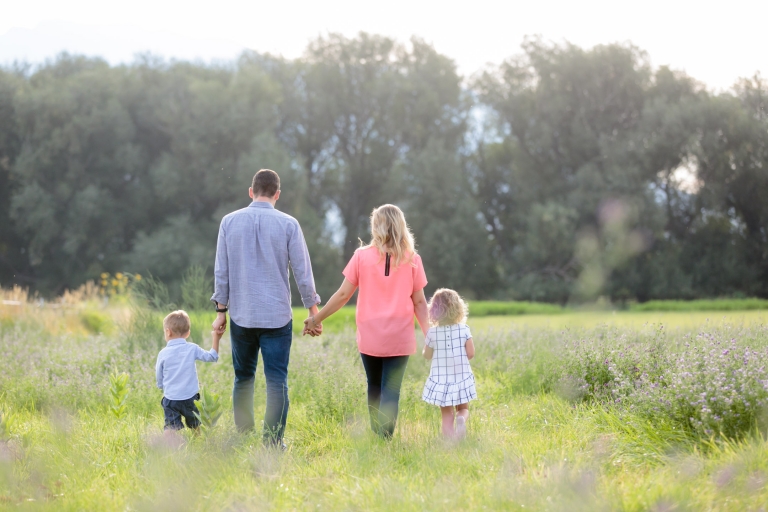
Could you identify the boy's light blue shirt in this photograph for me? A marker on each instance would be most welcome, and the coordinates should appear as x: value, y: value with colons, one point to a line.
x: 176, y: 371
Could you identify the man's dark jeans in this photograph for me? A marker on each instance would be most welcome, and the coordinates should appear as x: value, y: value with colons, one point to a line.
x: 174, y: 410
x: 275, y: 346
x: 385, y: 376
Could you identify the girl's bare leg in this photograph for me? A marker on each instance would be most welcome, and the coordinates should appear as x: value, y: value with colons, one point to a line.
x: 463, y: 410
x: 447, y: 414
x: 462, y: 416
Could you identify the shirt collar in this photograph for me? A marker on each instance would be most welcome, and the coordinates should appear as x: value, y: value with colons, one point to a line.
x: 261, y: 204
x: 176, y: 341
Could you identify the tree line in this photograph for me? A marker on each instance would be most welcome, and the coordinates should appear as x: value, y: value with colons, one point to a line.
x: 563, y: 174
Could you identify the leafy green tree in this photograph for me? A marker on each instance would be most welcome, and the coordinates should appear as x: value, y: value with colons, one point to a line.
x: 357, y: 107
x: 13, y: 264
x: 78, y: 171
x: 562, y: 112
x: 446, y: 222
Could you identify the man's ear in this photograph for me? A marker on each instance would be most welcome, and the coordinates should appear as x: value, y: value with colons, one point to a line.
x: 276, y: 196
x: 250, y: 192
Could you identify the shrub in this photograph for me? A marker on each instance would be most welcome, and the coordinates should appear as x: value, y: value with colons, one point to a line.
x: 705, y: 384
x: 712, y: 387
x: 118, y: 392
x: 210, y: 409
x: 97, y: 322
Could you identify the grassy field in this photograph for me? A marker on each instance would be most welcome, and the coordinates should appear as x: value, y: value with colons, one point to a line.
x: 555, y: 427
x: 564, y: 319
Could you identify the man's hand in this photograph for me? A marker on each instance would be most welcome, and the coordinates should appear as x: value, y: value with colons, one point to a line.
x: 220, y: 324
x: 312, y: 328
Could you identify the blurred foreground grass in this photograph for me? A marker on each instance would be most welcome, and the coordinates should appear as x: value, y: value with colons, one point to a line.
x: 529, y: 447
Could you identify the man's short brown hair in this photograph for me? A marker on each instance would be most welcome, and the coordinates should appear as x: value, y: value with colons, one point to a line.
x: 177, y: 322
x: 266, y: 183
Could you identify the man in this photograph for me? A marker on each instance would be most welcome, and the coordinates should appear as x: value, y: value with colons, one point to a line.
x: 255, y: 248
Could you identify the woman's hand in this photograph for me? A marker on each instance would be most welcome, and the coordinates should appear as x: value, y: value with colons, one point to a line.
x: 311, y: 327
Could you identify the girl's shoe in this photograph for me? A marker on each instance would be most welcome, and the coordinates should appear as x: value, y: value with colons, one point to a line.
x: 461, y: 427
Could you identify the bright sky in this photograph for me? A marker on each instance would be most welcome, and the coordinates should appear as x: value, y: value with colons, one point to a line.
x: 715, y: 42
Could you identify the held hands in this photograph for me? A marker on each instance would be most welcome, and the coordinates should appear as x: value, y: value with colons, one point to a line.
x: 220, y: 324
x: 312, y: 328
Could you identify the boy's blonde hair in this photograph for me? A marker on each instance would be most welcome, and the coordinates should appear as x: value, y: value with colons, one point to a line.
x: 391, y: 234
x: 446, y: 307
x: 177, y: 322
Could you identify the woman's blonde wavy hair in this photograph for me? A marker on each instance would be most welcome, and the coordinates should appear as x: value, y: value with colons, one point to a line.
x: 391, y: 234
x: 446, y: 307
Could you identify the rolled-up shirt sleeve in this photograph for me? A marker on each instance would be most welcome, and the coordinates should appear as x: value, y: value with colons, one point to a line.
x: 298, y: 256
x: 221, y: 269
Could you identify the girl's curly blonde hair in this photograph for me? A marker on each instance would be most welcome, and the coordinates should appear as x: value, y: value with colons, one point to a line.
x: 446, y: 307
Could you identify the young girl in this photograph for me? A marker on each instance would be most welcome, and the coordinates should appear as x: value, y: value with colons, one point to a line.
x: 449, y: 345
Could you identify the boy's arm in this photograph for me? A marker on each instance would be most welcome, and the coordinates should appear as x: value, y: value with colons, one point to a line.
x: 159, y: 372
x: 210, y: 356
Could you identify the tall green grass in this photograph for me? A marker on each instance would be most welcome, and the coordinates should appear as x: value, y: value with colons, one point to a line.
x: 531, y: 446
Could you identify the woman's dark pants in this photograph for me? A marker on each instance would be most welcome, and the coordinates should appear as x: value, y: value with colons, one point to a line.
x: 275, y: 347
x: 385, y: 376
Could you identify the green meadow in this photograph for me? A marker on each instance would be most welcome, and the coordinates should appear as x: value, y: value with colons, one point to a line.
x: 553, y: 428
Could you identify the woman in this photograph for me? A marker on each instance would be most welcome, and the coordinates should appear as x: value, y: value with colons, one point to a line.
x: 391, y: 279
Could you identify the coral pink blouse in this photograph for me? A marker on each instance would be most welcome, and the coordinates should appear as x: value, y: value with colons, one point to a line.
x: 384, y: 306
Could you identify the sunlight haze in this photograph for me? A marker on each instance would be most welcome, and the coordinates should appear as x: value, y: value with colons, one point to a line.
x: 714, y: 45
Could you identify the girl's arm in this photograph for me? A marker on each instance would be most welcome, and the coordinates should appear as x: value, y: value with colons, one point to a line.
x: 335, y: 303
x: 420, y: 310
x: 470, y: 346
x: 427, y: 352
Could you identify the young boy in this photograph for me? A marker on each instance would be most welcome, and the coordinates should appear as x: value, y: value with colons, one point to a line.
x: 176, y: 371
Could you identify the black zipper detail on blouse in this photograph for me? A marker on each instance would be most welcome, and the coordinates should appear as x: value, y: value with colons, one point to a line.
x: 386, y: 266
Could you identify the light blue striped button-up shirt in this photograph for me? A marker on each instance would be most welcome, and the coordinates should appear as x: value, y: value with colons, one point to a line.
x: 175, y: 369
x: 257, y: 245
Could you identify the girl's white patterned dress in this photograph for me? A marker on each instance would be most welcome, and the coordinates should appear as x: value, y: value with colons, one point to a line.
x: 450, y: 381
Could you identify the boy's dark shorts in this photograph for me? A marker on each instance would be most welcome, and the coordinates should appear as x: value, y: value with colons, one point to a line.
x: 175, y: 409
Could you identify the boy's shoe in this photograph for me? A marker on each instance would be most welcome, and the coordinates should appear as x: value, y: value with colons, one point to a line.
x: 461, y: 427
